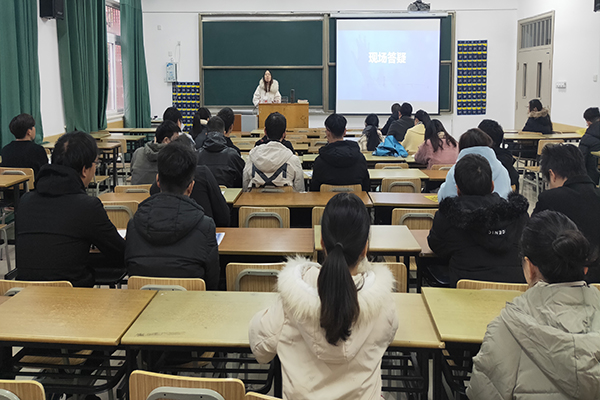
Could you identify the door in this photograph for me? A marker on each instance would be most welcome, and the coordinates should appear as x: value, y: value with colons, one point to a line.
x: 534, y: 64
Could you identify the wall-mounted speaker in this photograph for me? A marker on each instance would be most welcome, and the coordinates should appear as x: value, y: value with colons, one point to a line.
x: 52, y: 9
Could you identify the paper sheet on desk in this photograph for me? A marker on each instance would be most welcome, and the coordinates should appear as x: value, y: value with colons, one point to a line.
x: 220, y: 236
x: 309, y: 173
x: 122, y: 232
x: 432, y: 197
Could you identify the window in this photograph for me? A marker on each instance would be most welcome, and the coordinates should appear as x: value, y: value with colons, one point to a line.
x: 536, y: 33
x: 115, y: 103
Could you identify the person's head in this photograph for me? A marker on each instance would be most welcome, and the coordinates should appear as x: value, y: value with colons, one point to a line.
x: 591, y: 115
x: 535, y: 105
x: 494, y: 130
x: 165, y: 131
x: 422, y: 117
x: 336, y: 127
x: 203, y: 113
x: 344, y: 236
x: 560, y: 162
x: 228, y: 117
x: 474, y: 137
x: 554, y: 250
x: 473, y: 176
x: 77, y: 150
x: 437, y: 135
x: 372, y: 119
x: 396, y: 109
x: 275, y: 125
x: 22, y: 127
x: 176, y: 167
x: 215, y: 124
x: 406, y: 110
x: 173, y: 114
x: 267, y: 76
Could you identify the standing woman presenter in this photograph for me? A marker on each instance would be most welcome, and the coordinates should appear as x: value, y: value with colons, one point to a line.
x: 267, y: 90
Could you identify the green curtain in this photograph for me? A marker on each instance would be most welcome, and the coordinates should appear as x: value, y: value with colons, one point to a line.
x: 135, y: 77
x: 82, y: 51
x: 19, y: 68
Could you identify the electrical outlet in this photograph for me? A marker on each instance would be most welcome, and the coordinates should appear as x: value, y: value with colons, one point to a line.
x: 561, y: 85
x: 170, y: 54
x: 159, y: 27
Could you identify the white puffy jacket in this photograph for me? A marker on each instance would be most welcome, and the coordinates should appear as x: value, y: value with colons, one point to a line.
x: 262, y: 96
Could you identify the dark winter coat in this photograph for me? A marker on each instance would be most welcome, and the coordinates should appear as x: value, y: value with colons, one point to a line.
x: 399, y: 127
x: 170, y: 236
x: 224, y: 162
x: 57, y: 224
x: 480, y: 236
x: 579, y: 199
x: 24, y: 154
x: 539, y: 121
x: 389, y: 122
x: 507, y: 160
x: 340, y: 163
x: 265, y: 139
x: 591, y: 142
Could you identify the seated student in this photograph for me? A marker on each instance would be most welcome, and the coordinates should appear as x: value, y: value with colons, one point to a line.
x: 476, y: 141
x: 590, y: 141
x: 228, y: 117
x: 371, y: 135
x: 331, y: 324
x: 286, y: 143
x: 224, y: 162
x: 394, y: 117
x: 415, y: 136
x: 273, y: 164
x: 404, y: 123
x: 572, y: 193
x: 545, y: 343
x: 170, y: 235
x: 199, y: 130
x: 495, y: 131
x: 340, y: 162
x: 539, y: 118
x: 478, y: 231
x: 143, y: 161
x: 23, y: 152
x: 439, y: 146
x: 174, y: 115
x: 58, y: 222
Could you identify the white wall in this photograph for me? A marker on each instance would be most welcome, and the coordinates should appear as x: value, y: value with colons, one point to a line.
x: 576, y: 55
x: 475, y: 20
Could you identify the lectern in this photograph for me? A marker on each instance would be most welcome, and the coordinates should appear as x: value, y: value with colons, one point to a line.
x: 296, y: 114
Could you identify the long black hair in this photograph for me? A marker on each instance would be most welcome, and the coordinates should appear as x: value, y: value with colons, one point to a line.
x: 422, y: 116
x: 372, y: 123
x: 345, y: 231
x: 432, y: 132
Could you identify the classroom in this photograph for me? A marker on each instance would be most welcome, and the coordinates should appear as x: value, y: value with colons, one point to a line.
x: 356, y: 274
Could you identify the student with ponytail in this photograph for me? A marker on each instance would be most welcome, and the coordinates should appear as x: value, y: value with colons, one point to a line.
x: 546, y: 343
x: 331, y: 324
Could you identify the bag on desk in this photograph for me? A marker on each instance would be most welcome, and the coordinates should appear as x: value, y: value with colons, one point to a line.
x: 390, y: 147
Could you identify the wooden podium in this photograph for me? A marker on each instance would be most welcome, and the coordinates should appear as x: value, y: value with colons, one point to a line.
x: 296, y: 114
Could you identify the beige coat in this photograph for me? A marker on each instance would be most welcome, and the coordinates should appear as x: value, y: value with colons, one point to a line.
x: 261, y: 95
x: 312, y: 368
x: 415, y: 136
x: 545, y: 345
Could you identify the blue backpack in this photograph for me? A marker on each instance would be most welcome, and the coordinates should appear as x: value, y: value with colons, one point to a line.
x: 390, y: 147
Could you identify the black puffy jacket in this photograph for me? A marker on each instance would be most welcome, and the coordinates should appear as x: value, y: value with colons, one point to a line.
x: 223, y: 161
x: 340, y: 163
x: 591, y: 142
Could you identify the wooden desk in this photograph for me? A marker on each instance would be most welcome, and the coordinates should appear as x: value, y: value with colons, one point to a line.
x: 420, y: 332
x: 12, y: 182
x: 412, y: 173
x: 566, y: 128
x: 396, y: 240
x: 435, y: 174
x: 266, y: 241
x: 137, y: 197
x: 462, y: 315
x: 420, y: 236
x: 231, y: 194
x: 143, y: 130
x: 296, y: 114
x: 4, y: 299
x: 292, y: 199
x: 402, y: 200
x: 120, y: 130
x: 539, y: 136
x: 309, y: 159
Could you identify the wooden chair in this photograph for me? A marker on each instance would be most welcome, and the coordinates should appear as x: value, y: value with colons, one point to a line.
x: 120, y: 212
x: 340, y: 188
x: 257, y: 396
x: 273, y: 189
x: 403, y: 185
x: 143, y: 384
x: 596, y: 285
x: 94, y: 186
x: 391, y: 166
x: 29, y: 185
x: 471, y: 284
x: 414, y: 218
x: 10, y: 288
x: 244, y: 277
x: 317, y: 215
x: 133, y: 189
x: 537, y: 180
x: 176, y: 284
x: 264, y: 217
x: 400, y: 275
x: 442, y: 167
x: 22, y: 390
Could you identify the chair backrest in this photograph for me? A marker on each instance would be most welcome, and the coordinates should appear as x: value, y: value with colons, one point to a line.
x: 471, y: 284
x: 296, y: 136
x: 273, y: 189
x: 142, y: 383
x: 258, y: 396
x: 246, y: 277
x: 546, y: 142
x: 21, y: 390
x: 152, y: 283
x: 133, y: 189
x: 120, y: 212
x: 596, y: 285
x: 264, y: 217
x: 414, y: 218
x: 400, y: 275
x: 317, y: 215
x: 442, y: 167
x: 391, y: 166
x: 403, y: 185
x: 340, y: 188
x: 20, y: 171
x: 6, y: 285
